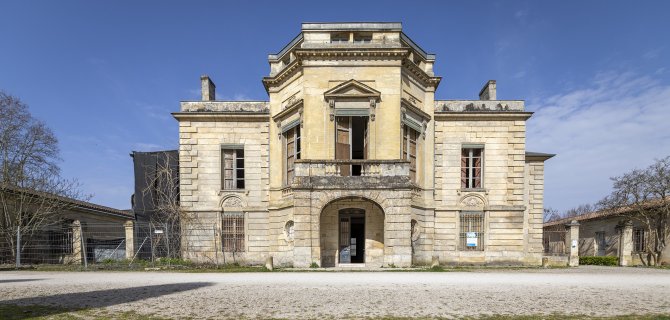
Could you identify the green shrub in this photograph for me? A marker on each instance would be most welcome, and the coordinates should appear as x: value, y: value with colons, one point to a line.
x: 599, y: 261
x: 314, y: 265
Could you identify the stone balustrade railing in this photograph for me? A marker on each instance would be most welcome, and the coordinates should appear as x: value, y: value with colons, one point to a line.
x: 364, y: 168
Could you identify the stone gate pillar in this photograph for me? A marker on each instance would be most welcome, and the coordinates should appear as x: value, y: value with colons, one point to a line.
x: 572, y: 243
x: 129, y: 227
x: 625, y: 249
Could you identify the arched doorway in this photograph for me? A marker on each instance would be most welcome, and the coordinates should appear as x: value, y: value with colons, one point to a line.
x: 352, y: 232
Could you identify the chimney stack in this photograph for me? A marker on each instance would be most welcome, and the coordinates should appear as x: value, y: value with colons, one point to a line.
x: 208, y: 88
x: 488, y: 92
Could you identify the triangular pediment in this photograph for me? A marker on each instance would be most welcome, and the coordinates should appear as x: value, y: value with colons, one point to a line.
x: 352, y: 89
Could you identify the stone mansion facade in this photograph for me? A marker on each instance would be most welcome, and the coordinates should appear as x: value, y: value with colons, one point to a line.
x: 353, y: 161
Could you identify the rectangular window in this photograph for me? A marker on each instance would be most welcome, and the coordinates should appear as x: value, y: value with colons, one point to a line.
x: 291, y: 152
x: 472, y: 231
x: 339, y: 37
x: 600, y: 243
x: 362, y: 37
x: 471, y: 168
x: 233, y: 233
x: 232, y: 168
x: 409, y: 139
x: 639, y: 240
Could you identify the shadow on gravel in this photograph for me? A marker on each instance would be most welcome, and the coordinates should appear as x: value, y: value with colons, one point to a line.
x: 75, y: 301
x: 18, y: 280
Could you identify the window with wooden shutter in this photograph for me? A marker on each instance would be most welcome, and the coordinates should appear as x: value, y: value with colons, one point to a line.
x: 291, y: 152
x: 471, y: 168
x: 409, y: 149
x: 232, y: 168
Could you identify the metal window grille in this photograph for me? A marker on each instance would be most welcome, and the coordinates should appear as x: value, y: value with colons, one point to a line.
x: 639, y: 240
x: 233, y: 168
x: 471, y: 168
x: 233, y: 233
x: 471, y: 231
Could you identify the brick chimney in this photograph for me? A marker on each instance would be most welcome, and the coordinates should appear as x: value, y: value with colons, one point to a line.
x: 488, y: 92
x: 208, y: 88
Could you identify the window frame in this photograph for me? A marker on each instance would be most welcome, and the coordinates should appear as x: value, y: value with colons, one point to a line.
x: 297, y: 151
x: 480, y: 227
x: 468, y: 170
x: 406, y: 146
x: 235, y: 177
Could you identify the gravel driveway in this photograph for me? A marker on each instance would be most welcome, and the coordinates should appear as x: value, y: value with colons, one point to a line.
x: 594, y: 291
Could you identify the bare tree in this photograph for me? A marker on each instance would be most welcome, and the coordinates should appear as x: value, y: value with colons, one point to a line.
x: 165, y: 212
x: 32, y: 193
x: 642, y: 195
x: 551, y: 214
x: 579, y: 210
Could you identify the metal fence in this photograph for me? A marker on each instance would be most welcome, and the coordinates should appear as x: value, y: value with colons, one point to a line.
x: 111, y: 244
x: 554, y: 242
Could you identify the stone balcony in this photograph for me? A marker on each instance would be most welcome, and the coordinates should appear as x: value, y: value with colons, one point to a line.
x: 351, y: 174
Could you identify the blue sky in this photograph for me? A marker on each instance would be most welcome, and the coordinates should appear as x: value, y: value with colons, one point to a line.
x: 105, y: 75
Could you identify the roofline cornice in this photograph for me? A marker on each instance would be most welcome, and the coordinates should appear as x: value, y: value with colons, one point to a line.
x: 483, y: 115
x: 217, y: 115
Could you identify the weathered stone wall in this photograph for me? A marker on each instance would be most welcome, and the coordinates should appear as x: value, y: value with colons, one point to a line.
x: 534, y: 214
x: 202, y: 135
x: 507, y: 225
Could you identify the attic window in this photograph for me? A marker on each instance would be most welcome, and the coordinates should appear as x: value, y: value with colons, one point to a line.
x: 339, y: 37
x: 362, y: 37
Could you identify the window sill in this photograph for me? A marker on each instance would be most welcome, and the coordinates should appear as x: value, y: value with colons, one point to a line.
x: 244, y: 191
x: 473, y: 190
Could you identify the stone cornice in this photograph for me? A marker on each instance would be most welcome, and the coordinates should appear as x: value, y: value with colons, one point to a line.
x: 426, y: 79
x: 347, y: 53
x: 288, y: 110
x: 483, y: 115
x: 285, y: 73
x: 218, y: 116
x: 410, y: 106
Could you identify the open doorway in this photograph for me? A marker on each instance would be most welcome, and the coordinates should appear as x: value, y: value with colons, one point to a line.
x: 351, y: 142
x: 352, y: 236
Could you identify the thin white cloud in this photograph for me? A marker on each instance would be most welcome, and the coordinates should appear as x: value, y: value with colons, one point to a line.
x: 618, y: 123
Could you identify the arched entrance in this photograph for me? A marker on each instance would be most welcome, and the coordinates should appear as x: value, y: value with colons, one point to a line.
x: 352, y: 232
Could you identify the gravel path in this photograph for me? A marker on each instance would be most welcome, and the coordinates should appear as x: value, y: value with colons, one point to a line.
x: 593, y: 291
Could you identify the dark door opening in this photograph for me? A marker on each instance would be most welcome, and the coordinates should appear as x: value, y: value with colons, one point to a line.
x: 352, y: 236
x: 358, y: 240
x: 351, y: 142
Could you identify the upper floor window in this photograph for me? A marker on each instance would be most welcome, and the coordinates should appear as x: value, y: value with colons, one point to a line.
x: 339, y: 37
x: 362, y: 37
x: 471, y: 167
x: 232, y: 168
x: 291, y: 140
x: 409, y: 149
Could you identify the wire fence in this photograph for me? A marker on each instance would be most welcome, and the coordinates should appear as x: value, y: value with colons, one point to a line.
x: 113, y: 244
